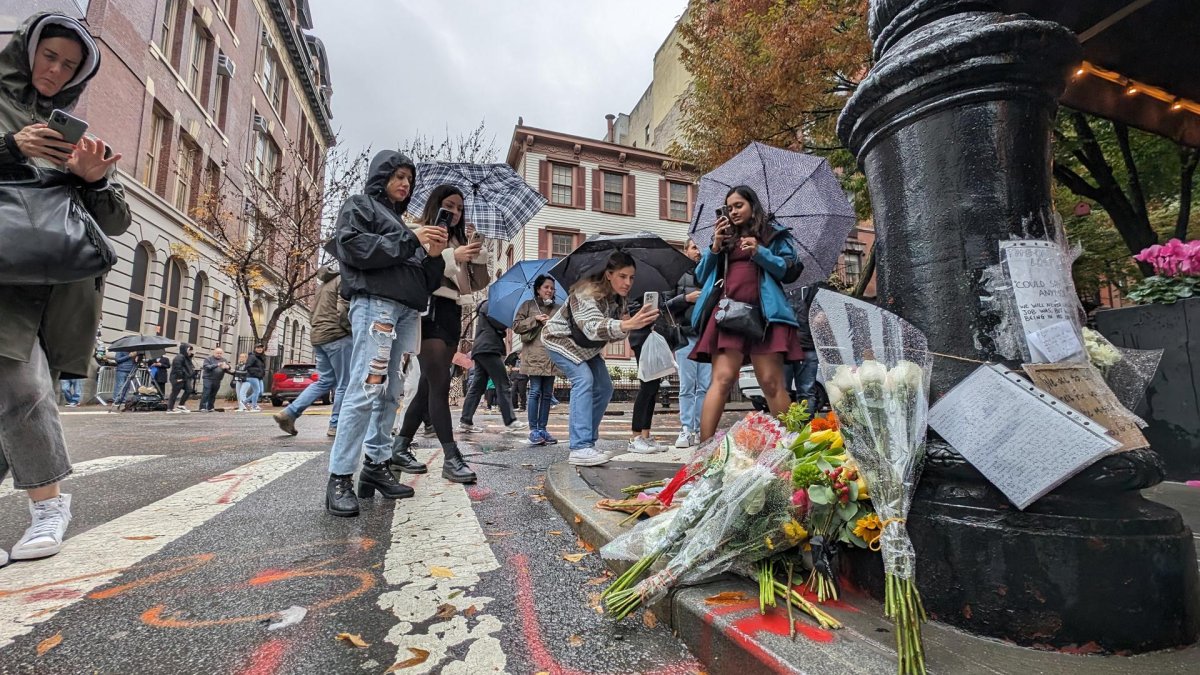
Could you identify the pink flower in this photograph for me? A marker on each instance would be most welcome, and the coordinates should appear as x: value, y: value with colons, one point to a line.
x: 800, y: 501
x: 1173, y: 258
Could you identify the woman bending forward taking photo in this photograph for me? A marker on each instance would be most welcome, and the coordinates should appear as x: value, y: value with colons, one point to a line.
x: 576, y: 336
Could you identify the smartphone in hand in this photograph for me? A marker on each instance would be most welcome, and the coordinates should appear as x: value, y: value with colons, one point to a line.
x: 650, y: 299
x: 723, y: 212
x: 444, y: 219
x: 71, y: 128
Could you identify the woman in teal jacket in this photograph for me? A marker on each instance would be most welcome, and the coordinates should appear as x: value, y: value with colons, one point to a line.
x: 750, y: 259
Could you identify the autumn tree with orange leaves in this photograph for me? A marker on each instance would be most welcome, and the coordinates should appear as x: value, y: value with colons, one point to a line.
x: 775, y: 71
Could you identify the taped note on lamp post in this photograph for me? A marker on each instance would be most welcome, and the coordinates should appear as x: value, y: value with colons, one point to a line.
x: 1045, y: 299
x: 1023, y: 440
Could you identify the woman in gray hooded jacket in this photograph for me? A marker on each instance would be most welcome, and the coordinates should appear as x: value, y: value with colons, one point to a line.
x: 48, y: 331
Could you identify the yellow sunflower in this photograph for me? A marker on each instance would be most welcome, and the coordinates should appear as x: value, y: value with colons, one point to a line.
x: 868, y: 528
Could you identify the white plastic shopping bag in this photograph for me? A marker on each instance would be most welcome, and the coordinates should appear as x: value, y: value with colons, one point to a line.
x: 657, y: 359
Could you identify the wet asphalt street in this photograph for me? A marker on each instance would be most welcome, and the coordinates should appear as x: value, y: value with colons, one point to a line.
x: 191, y: 533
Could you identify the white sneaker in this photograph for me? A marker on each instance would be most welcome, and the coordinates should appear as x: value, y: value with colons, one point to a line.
x: 465, y: 428
x: 685, y: 439
x: 44, y: 537
x: 587, y: 457
x: 643, y: 446
x: 257, y: 409
x: 173, y: 411
x: 517, y: 425
x: 182, y: 410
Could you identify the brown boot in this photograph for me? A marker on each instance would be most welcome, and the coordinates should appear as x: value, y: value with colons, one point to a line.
x: 285, y: 422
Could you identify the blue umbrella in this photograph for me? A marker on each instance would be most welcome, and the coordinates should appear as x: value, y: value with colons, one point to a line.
x: 497, y: 201
x: 799, y: 191
x: 515, y: 286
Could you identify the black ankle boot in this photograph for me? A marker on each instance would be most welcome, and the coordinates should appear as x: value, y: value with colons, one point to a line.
x: 374, y: 477
x: 339, y: 496
x: 402, y: 459
x: 454, y: 469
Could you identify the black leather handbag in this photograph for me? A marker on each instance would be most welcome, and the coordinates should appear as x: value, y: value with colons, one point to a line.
x: 49, y: 236
x: 741, y: 318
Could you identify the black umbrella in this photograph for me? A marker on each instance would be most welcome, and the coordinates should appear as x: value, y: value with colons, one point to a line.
x: 141, y: 343
x: 659, y: 264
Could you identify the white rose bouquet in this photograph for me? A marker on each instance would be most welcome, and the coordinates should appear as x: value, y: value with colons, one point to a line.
x: 877, y: 369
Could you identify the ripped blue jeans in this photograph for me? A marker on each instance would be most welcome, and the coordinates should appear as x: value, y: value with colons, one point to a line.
x: 385, y: 336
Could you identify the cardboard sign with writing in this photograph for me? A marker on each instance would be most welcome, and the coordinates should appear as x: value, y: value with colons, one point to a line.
x: 1082, y: 387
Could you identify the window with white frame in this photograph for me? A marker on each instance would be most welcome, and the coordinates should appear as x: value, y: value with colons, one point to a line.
x: 678, y: 201
x: 614, y: 192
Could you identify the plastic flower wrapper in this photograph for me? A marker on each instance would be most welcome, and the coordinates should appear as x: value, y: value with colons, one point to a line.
x: 718, y: 459
x: 1126, y: 371
x: 750, y: 520
x: 879, y: 368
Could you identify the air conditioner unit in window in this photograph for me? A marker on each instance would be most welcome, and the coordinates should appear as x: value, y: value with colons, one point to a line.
x: 225, y: 66
x: 266, y: 39
x: 260, y: 123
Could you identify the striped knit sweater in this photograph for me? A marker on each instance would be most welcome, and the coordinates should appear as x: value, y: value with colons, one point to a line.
x: 593, y: 318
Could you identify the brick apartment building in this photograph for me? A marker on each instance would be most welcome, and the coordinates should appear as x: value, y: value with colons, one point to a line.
x: 187, y: 88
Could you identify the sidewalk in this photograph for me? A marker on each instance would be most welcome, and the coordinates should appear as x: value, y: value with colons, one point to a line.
x: 735, y: 639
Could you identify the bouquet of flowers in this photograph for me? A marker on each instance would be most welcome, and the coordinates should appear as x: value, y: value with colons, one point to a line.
x: 1176, y: 273
x: 740, y: 513
x: 876, y: 369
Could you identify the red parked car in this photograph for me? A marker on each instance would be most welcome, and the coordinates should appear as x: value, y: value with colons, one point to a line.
x: 291, y: 379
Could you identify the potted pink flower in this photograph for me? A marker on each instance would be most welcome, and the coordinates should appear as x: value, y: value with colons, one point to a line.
x: 1167, y: 317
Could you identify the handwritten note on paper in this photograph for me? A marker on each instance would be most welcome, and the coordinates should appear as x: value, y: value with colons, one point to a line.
x: 1057, y: 342
x: 1043, y: 288
x: 1023, y: 440
x: 1082, y: 387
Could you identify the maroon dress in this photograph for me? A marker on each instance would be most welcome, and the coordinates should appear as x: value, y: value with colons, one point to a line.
x: 741, y: 284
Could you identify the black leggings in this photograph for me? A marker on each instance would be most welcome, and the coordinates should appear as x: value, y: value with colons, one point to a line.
x: 177, y: 387
x: 643, y: 405
x: 432, y: 401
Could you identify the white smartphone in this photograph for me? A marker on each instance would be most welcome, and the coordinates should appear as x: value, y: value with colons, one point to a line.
x: 650, y: 299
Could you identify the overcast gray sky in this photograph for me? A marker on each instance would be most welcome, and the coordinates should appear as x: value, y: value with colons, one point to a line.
x: 405, y: 66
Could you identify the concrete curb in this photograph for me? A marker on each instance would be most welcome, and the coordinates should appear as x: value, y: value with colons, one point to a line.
x: 737, y: 640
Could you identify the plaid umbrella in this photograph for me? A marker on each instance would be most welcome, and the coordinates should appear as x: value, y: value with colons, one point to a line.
x: 800, y: 191
x: 659, y: 264
x: 498, y: 202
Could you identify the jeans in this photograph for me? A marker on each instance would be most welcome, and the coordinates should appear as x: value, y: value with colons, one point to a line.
x: 119, y: 385
x: 693, y: 385
x: 591, y: 392
x: 72, y: 390
x: 384, y: 335
x: 31, y: 437
x: 333, y: 368
x: 252, y: 390
x: 208, y: 396
x: 806, y: 380
x: 537, y: 405
x: 488, y: 366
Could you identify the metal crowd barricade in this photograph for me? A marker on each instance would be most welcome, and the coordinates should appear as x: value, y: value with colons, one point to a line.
x: 106, y: 381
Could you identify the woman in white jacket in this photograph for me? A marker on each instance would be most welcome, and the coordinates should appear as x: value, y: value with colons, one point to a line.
x: 441, y: 330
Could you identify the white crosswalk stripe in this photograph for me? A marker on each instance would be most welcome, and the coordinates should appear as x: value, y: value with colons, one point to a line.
x: 87, y: 468
x: 28, y: 593
x: 439, y: 528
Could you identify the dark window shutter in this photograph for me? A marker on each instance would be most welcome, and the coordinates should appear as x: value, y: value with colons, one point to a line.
x: 597, y: 190
x: 580, y: 201
x: 543, y: 243
x: 630, y: 196
x: 544, y: 178
x: 664, y: 200
x: 691, y: 208
x: 578, y: 240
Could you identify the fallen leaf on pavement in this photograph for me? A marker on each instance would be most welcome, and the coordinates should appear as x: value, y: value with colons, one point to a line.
x: 355, y: 640
x: 419, y: 656
x: 595, y: 602
x: 575, y: 641
x: 585, y: 546
x: 578, y: 520
x: 597, y: 581
x: 649, y: 619
x: 144, y: 537
x: 509, y: 494
x: 470, y: 611
x: 446, y: 611
x: 454, y: 595
x: 49, y: 643
x: 557, y: 533
x: 573, y: 557
x: 727, y: 598
x: 441, y: 572
x: 537, y: 498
